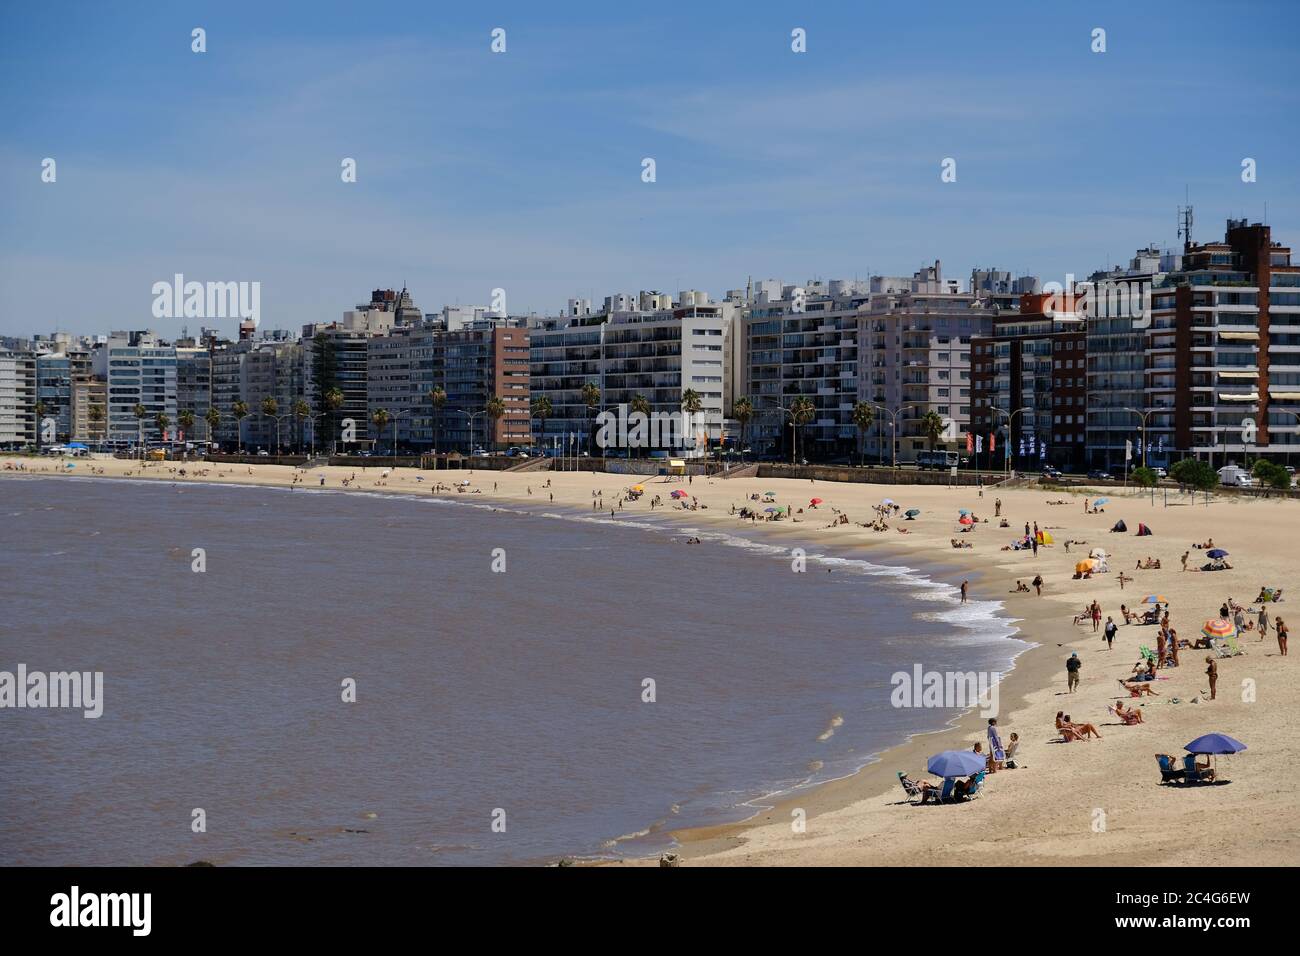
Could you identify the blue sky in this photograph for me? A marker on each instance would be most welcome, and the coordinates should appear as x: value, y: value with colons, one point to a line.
x: 522, y: 170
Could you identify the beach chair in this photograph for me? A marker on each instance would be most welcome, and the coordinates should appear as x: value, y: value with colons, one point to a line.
x: 1169, y: 772
x: 1192, y: 775
x: 1221, y: 649
x: 1234, y: 646
x: 975, y: 786
x: 1127, y: 719
x: 1146, y: 652
x: 909, y: 786
x: 945, y: 794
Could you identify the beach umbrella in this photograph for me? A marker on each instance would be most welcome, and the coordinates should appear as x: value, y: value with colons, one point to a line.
x: 815, y: 501
x: 1218, y: 628
x: 1217, y: 553
x: 1100, y: 501
x: 1155, y: 599
x: 771, y: 510
x: 956, y: 763
x: 888, y: 501
x: 965, y: 519
x: 677, y: 494
x: 1098, y: 553
x: 1085, y: 565
x: 962, y: 511
x: 638, y: 487
x: 1215, y: 744
x: 912, y: 512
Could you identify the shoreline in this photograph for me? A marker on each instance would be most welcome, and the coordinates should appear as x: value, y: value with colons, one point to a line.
x: 1045, y: 813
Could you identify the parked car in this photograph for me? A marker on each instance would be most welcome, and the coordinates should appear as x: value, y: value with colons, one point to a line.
x: 1160, y: 472
x: 1098, y: 474
x: 1050, y: 471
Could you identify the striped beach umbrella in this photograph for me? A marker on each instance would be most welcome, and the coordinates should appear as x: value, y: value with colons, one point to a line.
x: 1155, y: 599
x: 1218, y: 629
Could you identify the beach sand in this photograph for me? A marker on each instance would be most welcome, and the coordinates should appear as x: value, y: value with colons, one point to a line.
x: 1097, y: 802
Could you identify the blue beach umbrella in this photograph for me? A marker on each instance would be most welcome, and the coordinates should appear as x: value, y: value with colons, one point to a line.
x: 956, y: 763
x: 962, y: 511
x: 1100, y: 501
x: 1215, y: 744
x: 1217, y: 553
x: 911, y: 513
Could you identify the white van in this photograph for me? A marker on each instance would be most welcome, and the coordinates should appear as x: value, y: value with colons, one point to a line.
x: 1231, y: 476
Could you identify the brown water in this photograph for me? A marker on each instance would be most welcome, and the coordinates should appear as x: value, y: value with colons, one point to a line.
x: 475, y: 691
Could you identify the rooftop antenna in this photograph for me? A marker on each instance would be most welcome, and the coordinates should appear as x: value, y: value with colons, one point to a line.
x: 1185, y: 222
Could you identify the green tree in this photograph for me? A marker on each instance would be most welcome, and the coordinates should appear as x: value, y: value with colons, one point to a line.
x: 161, y: 421
x: 1144, y: 477
x: 240, y: 411
x: 541, y: 409
x: 1271, y: 475
x: 495, y: 409
x: 932, y: 426
x: 1194, y: 473
x: 333, y: 399
x: 301, y: 412
x: 140, y: 413
x: 213, y: 418
x: 39, y: 409
x: 591, y: 399
x: 692, y: 403
x: 380, y: 418
x: 639, y: 403
x: 742, y: 410
x: 802, y: 411
x: 186, y: 420
x: 438, y: 399
x: 864, y: 416
x: 97, y: 415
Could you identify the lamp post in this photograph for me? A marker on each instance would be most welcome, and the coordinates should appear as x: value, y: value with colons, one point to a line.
x: 1142, y: 415
x: 893, y: 426
x: 1011, y: 417
x: 471, y: 416
x: 793, y: 434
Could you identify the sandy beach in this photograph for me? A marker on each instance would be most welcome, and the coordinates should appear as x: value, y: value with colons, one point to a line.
x: 1095, y: 802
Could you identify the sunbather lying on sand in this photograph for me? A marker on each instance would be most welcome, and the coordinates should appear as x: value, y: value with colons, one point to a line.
x: 1138, y: 688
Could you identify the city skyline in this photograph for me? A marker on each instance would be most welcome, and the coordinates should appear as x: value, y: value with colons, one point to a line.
x: 479, y: 170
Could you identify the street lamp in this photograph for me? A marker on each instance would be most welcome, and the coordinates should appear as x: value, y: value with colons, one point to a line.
x: 1011, y: 417
x: 1142, y: 415
x: 395, y: 417
x: 793, y: 434
x: 471, y: 416
x: 893, y: 425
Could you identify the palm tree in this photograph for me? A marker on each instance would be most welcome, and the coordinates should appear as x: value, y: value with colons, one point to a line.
x: 541, y: 408
x: 240, y: 411
x: 495, y: 408
x: 270, y: 409
x: 186, y: 420
x: 438, y: 399
x: 39, y: 409
x: 379, y: 417
x: 692, y: 403
x: 640, y: 404
x: 932, y: 426
x: 161, y: 422
x: 863, y: 417
x: 96, y: 416
x: 742, y: 411
x: 333, y: 402
x: 591, y: 399
x: 213, y: 417
x: 300, y: 412
x: 141, y: 413
x: 802, y: 411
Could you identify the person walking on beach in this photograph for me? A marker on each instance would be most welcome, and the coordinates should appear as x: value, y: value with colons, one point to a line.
x: 1282, y: 632
x: 964, y: 586
x: 1096, y: 617
x: 1038, y: 584
x: 1263, y: 622
x: 1072, y: 666
x: 1111, y: 628
x: 1185, y: 554
x: 997, y: 507
x: 1212, y: 674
